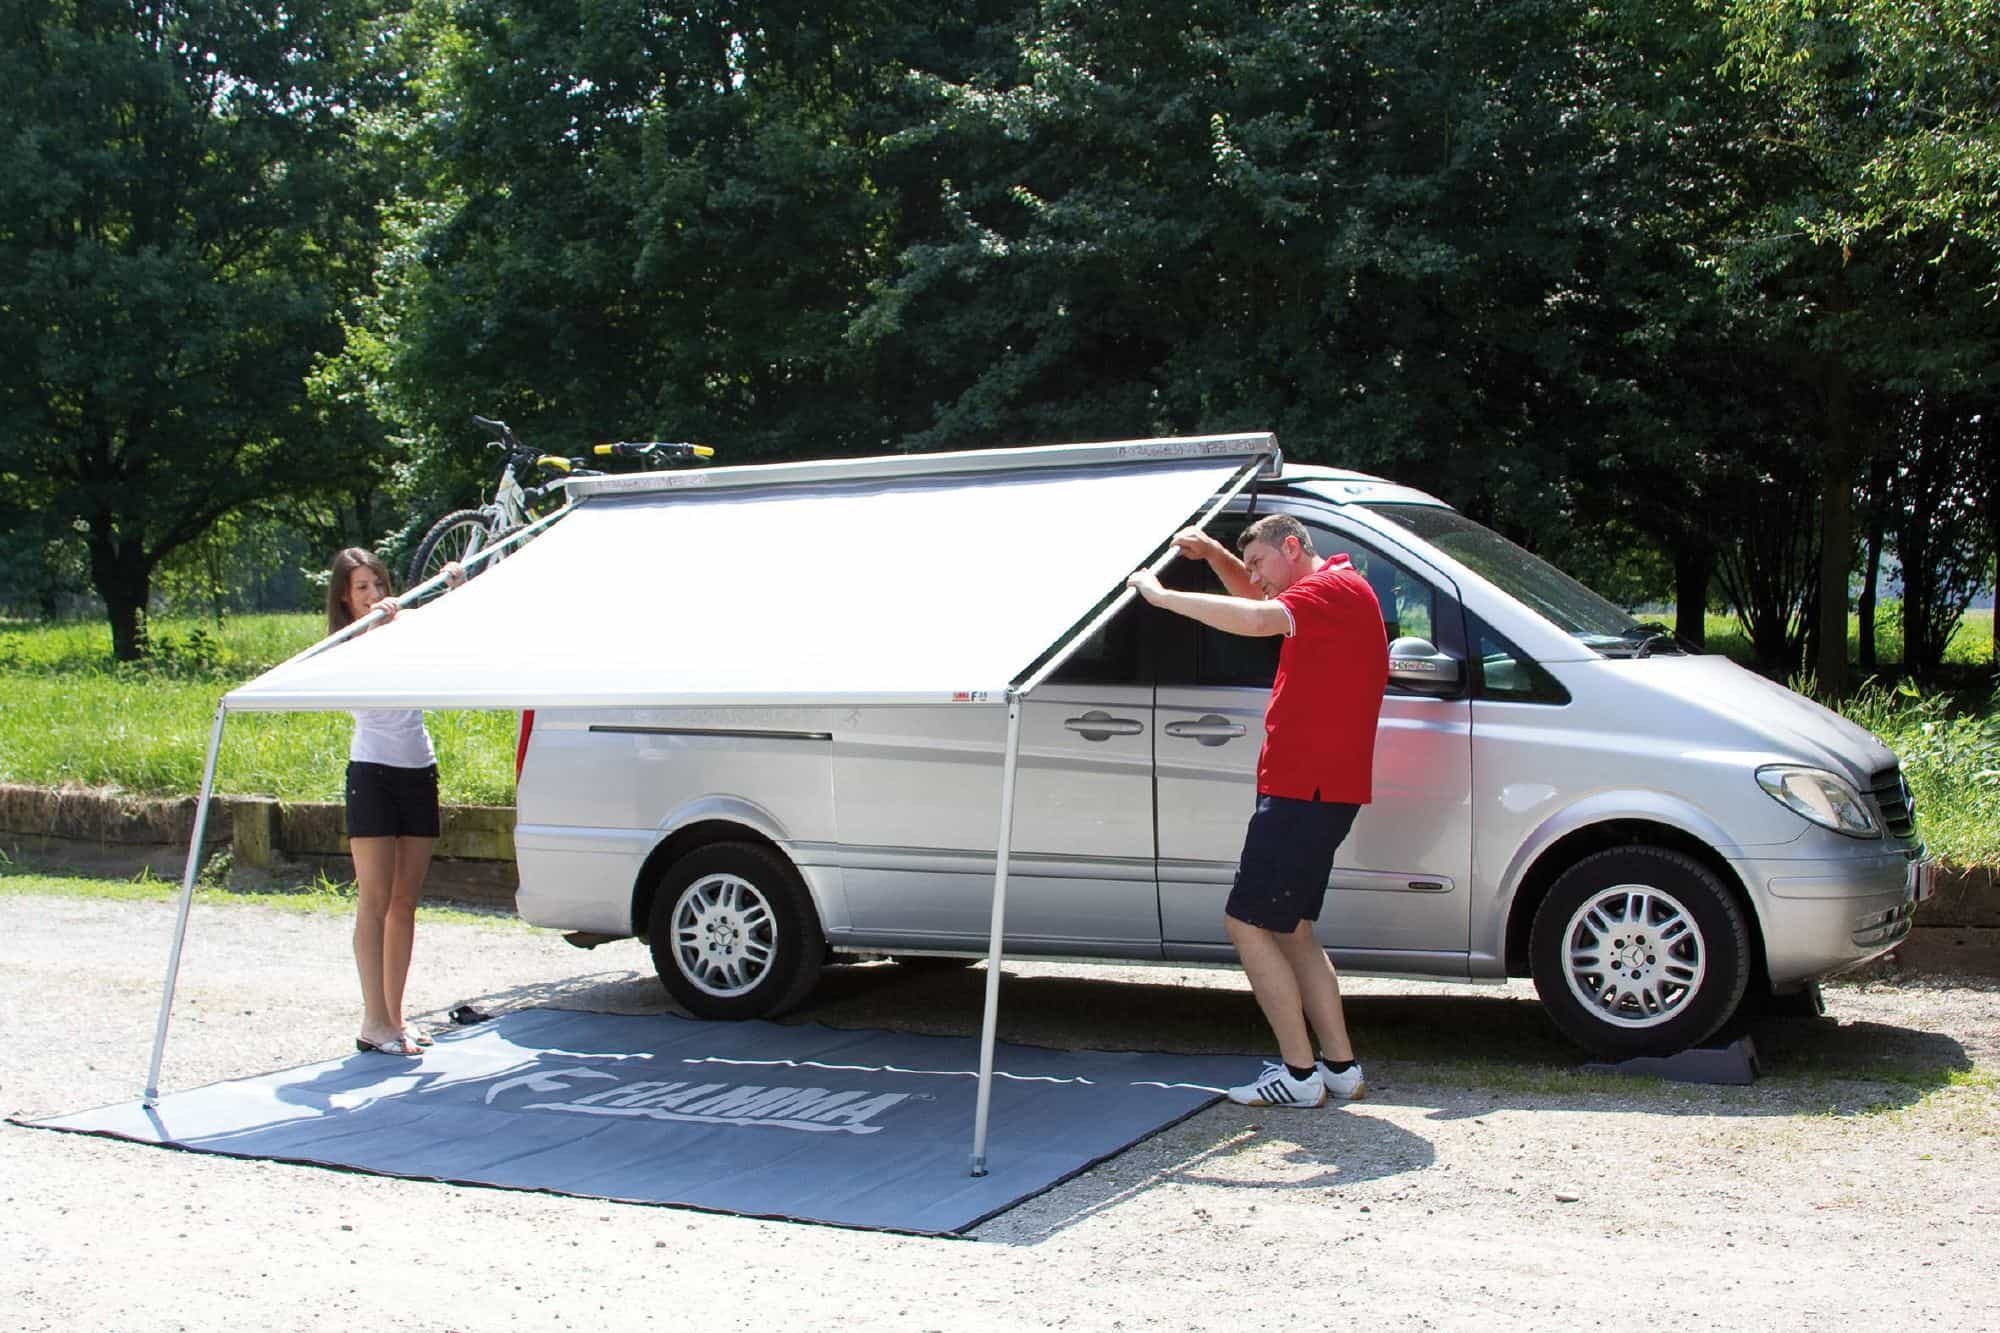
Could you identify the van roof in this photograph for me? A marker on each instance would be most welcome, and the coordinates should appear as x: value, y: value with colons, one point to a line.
x: 1344, y: 486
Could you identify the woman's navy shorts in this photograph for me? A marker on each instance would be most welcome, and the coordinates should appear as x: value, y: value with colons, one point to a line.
x: 384, y: 801
x: 1287, y: 856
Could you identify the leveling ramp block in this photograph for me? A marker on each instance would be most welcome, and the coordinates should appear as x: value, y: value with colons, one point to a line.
x: 1735, y: 1063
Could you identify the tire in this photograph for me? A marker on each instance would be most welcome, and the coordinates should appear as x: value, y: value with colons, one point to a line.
x: 453, y: 537
x: 1639, y: 951
x: 734, y: 933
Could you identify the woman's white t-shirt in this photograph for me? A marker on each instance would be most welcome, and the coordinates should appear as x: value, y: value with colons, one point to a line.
x: 392, y: 736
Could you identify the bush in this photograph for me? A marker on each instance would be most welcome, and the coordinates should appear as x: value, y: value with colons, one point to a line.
x: 1951, y: 757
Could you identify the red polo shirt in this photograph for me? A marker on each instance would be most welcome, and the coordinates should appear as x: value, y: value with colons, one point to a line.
x: 1319, y: 732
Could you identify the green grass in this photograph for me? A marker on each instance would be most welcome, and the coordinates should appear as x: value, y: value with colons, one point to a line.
x: 187, y: 647
x: 70, y: 716
x: 319, y: 896
x: 1971, y: 644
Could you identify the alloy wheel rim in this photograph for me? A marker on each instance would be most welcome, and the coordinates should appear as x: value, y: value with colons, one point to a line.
x: 725, y: 935
x: 1634, y: 956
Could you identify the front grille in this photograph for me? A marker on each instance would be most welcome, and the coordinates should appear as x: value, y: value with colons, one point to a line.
x: 1892, y: 797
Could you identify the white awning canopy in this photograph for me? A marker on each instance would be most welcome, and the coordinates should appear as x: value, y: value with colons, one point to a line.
x: 930, y: 586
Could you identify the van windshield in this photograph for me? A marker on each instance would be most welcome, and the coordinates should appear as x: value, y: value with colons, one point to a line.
x: 1529, y: 579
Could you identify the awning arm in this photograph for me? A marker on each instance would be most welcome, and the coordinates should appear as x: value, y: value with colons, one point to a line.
x: 989, y: 1025
x: 1124, y: 598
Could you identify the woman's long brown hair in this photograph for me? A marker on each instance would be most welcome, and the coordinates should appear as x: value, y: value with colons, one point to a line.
x: 338, y: 616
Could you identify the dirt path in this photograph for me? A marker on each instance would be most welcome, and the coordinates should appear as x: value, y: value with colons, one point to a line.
x: 1484, y: 1184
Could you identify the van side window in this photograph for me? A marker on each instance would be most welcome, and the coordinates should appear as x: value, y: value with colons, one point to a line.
x: 1505, y: 674
x: 1108, y: 657
x: 1409, y: 606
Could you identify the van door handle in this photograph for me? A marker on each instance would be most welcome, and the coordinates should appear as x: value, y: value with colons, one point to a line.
x: 1209, y: 730
x: 1097, y: 725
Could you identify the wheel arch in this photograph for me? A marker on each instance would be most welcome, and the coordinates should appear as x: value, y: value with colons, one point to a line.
x: 1570, y: 847
x: 703, y: 825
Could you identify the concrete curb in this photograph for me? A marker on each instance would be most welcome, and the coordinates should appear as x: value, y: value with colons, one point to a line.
x: 108, y: 832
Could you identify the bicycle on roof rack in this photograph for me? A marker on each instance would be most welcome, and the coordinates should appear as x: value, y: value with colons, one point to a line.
x: 522, y: 496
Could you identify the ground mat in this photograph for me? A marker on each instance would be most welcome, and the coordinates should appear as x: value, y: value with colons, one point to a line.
x: 866, y: 1129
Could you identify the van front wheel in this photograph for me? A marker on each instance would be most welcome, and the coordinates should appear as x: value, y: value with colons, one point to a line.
x: 734, y: 934
x: 1639, y: 951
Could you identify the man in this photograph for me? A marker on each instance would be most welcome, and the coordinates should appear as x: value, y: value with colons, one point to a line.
x: 1313, y: 776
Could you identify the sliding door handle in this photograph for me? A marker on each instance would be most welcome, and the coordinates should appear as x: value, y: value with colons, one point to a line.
x: 1097, y: 725
x: 1209, y: 730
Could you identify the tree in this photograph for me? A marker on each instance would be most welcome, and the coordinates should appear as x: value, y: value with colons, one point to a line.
x: 1883, y: 156
x: 1929, y: 79
x: 1941, y: 535
x: 631, y: 219
x: 183, y: 221
x: 1356, y: 223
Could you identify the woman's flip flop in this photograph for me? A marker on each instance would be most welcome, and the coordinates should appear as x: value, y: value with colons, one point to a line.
x: 394, y: 1046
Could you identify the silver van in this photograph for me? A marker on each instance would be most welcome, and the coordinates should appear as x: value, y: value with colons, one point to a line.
x: 1560, y: 793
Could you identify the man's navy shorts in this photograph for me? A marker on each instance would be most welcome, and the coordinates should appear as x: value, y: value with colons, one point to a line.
x: 384, y: 801
x: 1287, y: 856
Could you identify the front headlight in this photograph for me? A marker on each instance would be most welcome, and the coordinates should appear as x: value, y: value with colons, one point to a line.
x: 1825, y: 798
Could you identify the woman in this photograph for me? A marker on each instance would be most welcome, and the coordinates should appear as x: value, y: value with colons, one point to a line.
x: 392, y: 820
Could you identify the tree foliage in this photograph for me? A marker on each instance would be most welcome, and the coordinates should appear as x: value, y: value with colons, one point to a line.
x: 1925, y: 81
x: 181, y: 224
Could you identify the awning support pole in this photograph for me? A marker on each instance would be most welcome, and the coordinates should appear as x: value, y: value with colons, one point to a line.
x: 989, y: 1026
x: 152, y: 1097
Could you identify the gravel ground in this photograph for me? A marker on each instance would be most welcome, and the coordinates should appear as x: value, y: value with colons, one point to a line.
x: 1484, y: 1183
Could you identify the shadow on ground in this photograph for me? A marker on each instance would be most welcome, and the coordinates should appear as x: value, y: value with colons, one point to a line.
x: 1458, y: 1053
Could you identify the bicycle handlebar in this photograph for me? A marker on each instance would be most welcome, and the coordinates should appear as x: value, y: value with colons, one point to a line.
x: 499, y: 428
x: 653, y: 449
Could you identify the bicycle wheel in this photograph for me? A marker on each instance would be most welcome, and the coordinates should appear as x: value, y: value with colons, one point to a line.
x: 456, y: 536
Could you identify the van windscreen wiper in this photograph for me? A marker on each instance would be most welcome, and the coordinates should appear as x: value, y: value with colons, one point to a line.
x: 1645, y: 640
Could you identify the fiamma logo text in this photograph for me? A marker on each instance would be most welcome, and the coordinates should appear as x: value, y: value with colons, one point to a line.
x: 812, y: 1110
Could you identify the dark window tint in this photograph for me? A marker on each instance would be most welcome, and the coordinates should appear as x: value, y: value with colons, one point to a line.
x: 1110, y: 656
x: 1528, y: 579
x: 1508, y: 675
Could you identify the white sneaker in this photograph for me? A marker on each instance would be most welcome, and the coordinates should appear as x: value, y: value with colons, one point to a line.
x: 1276, y: 1087
x: 1347, y: 1087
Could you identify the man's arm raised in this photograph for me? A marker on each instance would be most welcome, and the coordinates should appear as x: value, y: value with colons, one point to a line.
x: 1195, y: 544
x: 1231, y: 615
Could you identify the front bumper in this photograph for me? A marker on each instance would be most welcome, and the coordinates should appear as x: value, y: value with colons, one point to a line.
x: 1825, y: 916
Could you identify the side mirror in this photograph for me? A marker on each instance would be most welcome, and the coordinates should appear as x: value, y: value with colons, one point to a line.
x: 1416, y: 664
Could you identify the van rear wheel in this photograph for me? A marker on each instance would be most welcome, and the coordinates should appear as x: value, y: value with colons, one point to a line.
x: 734, y: 934
x: 1639, y: 951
